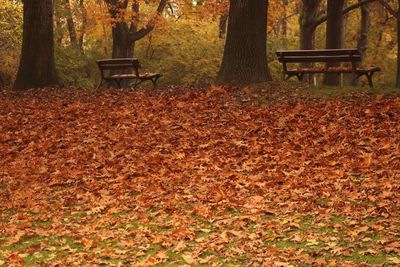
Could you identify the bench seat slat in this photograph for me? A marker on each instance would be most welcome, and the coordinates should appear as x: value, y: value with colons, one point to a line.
x: 133, y: 76
x: 325, y: 52
x: 333, y: 70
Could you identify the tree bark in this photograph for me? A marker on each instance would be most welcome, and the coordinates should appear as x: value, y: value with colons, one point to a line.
x: 334, y: 37
x: 36, y: 67
x: 345, y: 17
x: 362, y: 42
x: 84, y: 24
x: 283, y: 20
x: 245, y: 57
x: 398, y: 46
x: 59, y: 32
x: 309, y: 13
x: 122, y: 45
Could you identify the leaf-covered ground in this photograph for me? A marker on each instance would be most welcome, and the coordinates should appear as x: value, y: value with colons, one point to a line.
x: 212, y: 177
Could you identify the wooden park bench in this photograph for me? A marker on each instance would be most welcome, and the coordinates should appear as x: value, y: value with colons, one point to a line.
x: 127, y: 69
x: 352, y: 56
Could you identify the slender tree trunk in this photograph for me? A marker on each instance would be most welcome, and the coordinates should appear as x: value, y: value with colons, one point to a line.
x: 70, y: 23
x: 245, y: 57
x: 105, y: 40
x: 36, y: 67
x: 334, y: 36
x: 365, y: 24
x: 222, y: 25
x: 84, y: 24
x: 59, y: 33
x: 283, y: 18
x: 345, y: 17
x: 362, y: 42
x: 395, y: 12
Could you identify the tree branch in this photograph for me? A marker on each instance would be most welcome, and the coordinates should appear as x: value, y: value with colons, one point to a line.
x: 389, y: 8
x: 318, y: 21
x: 151, y: 24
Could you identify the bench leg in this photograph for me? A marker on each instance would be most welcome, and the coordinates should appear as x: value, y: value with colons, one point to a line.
x: 154, y: 81
x: 100, y: 84
x: 118, y: 82
x: 137, y: 82
x: 369, y: 76
x: 354, y: 79
x: 288, y: 76
x: 300, y: 77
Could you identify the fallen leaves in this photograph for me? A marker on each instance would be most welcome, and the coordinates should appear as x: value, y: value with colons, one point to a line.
x: 135, y: 177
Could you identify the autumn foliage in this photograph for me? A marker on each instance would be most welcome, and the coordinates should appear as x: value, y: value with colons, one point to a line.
x: 206, y: 175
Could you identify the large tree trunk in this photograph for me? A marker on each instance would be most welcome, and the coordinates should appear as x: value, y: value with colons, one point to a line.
x: 245, y: 57
x: 334, y: 36
x: 36, y: 67
x: 398, y: 48
x: 309, y: 13
x: 122, y: 44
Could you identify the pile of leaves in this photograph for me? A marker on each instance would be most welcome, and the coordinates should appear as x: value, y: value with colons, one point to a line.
x: 211, y: 177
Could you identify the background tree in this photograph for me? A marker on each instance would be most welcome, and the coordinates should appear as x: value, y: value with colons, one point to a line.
x: 124, y: 35
x: 334, y: 36
x: 362, y: 41
x: 245, y: 58
x: 308, y: 17
x: 395, y: 13
x: 10, y: 40
x: 37, y: 68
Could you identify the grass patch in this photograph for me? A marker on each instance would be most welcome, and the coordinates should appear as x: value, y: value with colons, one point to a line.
x: 359, y: 258
x: 327, y: 91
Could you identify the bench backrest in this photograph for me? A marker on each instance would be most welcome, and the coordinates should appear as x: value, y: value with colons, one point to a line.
x: 327, y: 55
x: 119, y: 64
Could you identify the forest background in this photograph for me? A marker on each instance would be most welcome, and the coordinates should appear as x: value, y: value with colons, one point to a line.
x: 187, y: 44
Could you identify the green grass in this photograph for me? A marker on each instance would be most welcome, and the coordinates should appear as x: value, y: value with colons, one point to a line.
x: 327, y: 91
x: 41, y: 250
